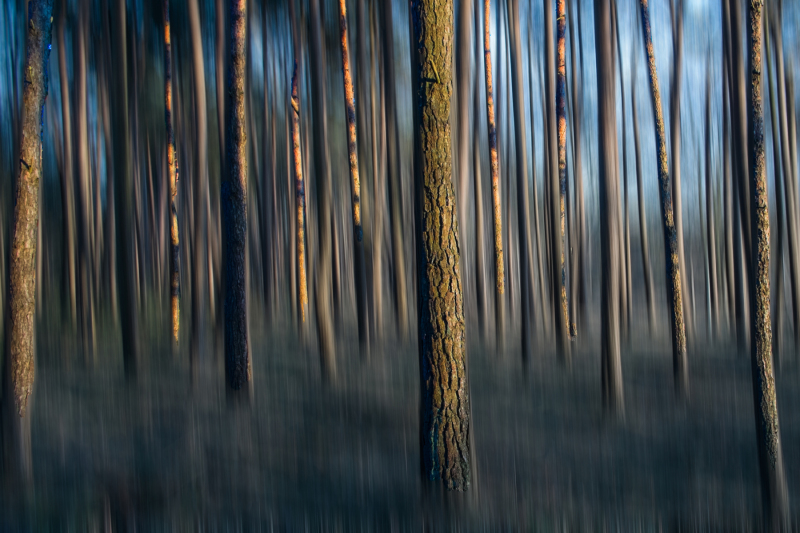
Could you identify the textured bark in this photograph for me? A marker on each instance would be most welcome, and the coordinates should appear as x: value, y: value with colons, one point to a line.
x: 710, y: 218
x: 124, y: 192
x: 676, y: 15
x: 172, y: 172
x: 445, y: 431
x: 322, y: 278
x: 494, y: 169
x: 773, y: 479
x: 393, y: 170
x: 300, y: 200
x: 200, y: 195
x: 234, y: 206
x: 609, y: 207
x: 674, y: 292
x: 646, y: 269
x: 556, y: 197
x: 359, y: 271
x: 523, y: 207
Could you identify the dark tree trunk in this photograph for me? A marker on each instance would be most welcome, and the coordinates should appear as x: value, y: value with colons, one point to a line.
x: 172, y: 171
x: 445, y: 430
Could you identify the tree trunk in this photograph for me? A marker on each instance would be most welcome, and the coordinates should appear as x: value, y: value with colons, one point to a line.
x: 234, y: 206
x: 710, y: 218
x: 445, y: 431
x: 773, y: 480
x: 674, y: 293
x: 172, y: 163
x: 20, y: 347
x: 378, y: 110
x: 578, y: 247
x: 495, y: 174
x: 300, y: 200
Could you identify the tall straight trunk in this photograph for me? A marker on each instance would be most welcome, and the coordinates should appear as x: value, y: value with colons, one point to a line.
x: 124, y: 193
x: 494, y: 168
x: 379, y: 176
x: 773, y: 478
x: 626, y: 294
x: 613, y: 401
x: 324, y: 193
x: 445, y: 416
x: 199, y: 247
x: 67, y: 194
x: 577, y: 287
x: 710, y: 218
x: 20, y: 343
x: 463, y: 53
x: 523, y: 206
x: 787, y: 150
x: 555, y: 91
x: 674, y: 293
x: 393, y: 172
x: 540, y: 263
x: 646, y: 269
x: 359, y: 270
x: 172, y: 171
x: 480, y: 265
x: 676, y: 15
x: 727, y: 186
x: 300, y: 201
x: 233, y: 201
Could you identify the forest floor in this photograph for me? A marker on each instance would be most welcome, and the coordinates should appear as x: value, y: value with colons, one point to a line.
x: 167, y: 452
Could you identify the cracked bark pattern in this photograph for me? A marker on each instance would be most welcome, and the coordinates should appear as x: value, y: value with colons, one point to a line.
x: 172, y: 170
x: 355, y: 186
x: 300, y: 199
x: 561, y: 111
x: 494, y: 169
x: 444, y: 435
x: 26, y: 210
x: 773, y: 481
x: 674, y: 293
x: 234, y: 205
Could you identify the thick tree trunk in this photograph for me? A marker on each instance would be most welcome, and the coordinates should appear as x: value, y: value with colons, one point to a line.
x: 773, y: 479
x: 234, y: 206
x: 674, y: 293
x: 20, y: 340
x: 494, y: 168
x: 359, y: 272
x: 172, y: 172
x: 445, y: 416
x: 609, y: 207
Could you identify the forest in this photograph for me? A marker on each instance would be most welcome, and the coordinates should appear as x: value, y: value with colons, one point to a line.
x: 399, y: 265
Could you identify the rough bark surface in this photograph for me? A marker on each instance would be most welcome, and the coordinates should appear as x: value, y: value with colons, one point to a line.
x: 494, y: 169
x: 674, y: 293
x: 234, y: 205
x: 359, y: 271
x: 445, y: 430
x: 770, y: 454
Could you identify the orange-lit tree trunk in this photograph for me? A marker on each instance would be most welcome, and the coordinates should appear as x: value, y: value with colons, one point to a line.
x: 770, y: 453
x: 494, y: 168
x: 172, y: 172
x: 234, y: 206
x: 674, y: 293
x: 359, y: 271
x: 300, y: 200
x: 445, y: 416
x: 19, y: 363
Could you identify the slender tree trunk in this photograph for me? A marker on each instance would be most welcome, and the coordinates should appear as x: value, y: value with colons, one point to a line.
x: 494, y: 168
x: 393, y: 150
x: 613, y: 401
x: 20, y: 339
x: 359, y: 271
x: 728, y: 191
x: 322, y: 278
x: 445, y: 431
x: 578, y: 247
x: 172, y: 170
x: 556, y: 98
x: 523, y: 207
x: 773, y: 479
x: 480, y: 265
x: 540, y: 263
x: 378, y: 109
x: 234, y: 206
x: 300, y: 200
x: 674, y: 294
x: 710, y: 218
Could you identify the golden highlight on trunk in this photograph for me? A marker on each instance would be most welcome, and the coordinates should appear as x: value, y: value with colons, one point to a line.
x: 300, y: 195
x: 172, y: 169
x: 561, y: 104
